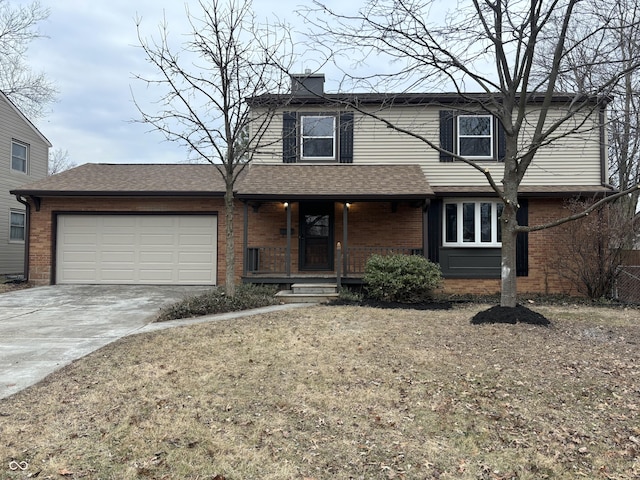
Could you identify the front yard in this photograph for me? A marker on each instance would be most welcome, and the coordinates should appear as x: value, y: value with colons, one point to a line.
x: 343, y: 392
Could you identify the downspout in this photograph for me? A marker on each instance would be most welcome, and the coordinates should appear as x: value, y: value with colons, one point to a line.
x: 27, y: 234
x: 604, y: 157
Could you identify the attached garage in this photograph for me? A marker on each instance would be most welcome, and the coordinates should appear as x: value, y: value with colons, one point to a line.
x: 175, y: 249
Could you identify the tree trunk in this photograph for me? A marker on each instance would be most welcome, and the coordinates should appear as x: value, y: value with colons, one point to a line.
x: 509, y: 221
x: 508, y: 295
x: 230, y: 256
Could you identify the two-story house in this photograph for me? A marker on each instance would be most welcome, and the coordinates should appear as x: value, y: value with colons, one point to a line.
x: 340, y: 175
x: 25, y: 159
x: 331, y: 187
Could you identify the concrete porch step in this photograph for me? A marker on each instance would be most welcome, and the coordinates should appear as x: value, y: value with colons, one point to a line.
x: 308, y: 293
x: 314, y: 288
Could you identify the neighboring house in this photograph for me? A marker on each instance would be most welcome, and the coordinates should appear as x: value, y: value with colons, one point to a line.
x: 331, y: 187
x: 25, y: 153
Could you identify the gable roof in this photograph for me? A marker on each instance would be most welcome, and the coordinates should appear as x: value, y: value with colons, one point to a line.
x: 24, y: 118
x: 101, y: 179
x: 334, y: 181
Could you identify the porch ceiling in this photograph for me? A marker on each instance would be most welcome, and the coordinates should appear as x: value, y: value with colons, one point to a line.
x: 334, y: 182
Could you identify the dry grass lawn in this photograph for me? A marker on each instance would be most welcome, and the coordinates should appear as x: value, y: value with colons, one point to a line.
x: 342, y: 393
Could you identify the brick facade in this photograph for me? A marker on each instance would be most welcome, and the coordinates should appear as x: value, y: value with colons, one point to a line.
x: 370, y: 224
x: 42, y: 229
x: 543, y: 277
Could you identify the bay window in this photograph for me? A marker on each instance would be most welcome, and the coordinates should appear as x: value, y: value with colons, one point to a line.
x: 472, y: 223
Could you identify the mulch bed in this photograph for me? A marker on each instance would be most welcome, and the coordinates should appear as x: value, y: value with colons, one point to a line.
x: 391, y: 305
x: 517, y: 314
x: 496, y: 314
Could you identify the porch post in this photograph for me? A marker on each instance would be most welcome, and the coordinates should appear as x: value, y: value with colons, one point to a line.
x: 339, y: 265
x: 245, y: 239
x: 345, y: 237
x: 287, y: 258
x: 425, y: 228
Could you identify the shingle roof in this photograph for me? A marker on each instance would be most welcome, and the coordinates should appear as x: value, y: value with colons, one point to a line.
x: 335, y: 181
x: 528, y: 190
x: 268, y: 182
x: 134, y: 180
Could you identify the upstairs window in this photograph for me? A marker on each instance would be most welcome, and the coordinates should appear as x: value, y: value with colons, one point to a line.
x: 475, y: 136
x: 19, y: 156
x: 318, y: 137
x: 16, y: 229
x: 469, y: 223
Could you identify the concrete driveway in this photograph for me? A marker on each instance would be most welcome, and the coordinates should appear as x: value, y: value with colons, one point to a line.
x: 44, y: 328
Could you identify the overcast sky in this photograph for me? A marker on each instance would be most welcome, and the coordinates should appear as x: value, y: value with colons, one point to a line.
x: 91, y: 55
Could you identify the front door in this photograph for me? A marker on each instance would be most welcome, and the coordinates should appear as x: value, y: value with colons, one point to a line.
x: 316, y: 236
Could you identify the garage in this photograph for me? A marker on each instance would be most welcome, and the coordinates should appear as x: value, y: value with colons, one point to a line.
x: 136, y: 249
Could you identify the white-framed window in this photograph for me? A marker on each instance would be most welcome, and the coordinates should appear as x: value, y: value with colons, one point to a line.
x: 472, y: 223
x: 17, y: 226
x: 318, y: 137
x: 475, y: 136
x: 19, y: 156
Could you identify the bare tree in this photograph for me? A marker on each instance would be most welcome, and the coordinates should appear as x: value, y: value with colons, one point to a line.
x: 30, y: 91
x: 591, y: 249
x: 579, y: 73
x: 486, y: 46
x: 59, y: 161
x: 227, y: 58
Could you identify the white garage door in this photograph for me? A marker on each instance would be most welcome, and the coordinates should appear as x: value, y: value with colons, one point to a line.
x: 136, y: 249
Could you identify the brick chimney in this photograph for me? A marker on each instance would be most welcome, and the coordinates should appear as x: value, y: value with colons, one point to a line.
x: 307, y: 84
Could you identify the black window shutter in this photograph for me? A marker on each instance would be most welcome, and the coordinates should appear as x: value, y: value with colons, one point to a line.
x: 447, y: 139
x: 522, y: 241
x: 346, y: 138
x: 289, y: 137
x: 501, y: 141
x: 434, y: 228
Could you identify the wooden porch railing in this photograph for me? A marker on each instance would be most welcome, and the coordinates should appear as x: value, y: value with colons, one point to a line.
x: 272, y: 260
x: 356, y: 257
x: 266, y: 260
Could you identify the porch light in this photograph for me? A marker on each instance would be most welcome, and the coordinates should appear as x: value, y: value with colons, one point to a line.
x: 286, y: 204
x: 348, y: 205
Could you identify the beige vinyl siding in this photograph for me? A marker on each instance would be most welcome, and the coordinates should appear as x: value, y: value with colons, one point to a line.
x: 573, y: 160
x: 14, y: 127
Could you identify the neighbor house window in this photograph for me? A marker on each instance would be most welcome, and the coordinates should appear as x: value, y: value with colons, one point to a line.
x: 472, y: 223
x: 318, y: 137
x: 475, y: 136
x: 19, y: 156
x: 16, y: 228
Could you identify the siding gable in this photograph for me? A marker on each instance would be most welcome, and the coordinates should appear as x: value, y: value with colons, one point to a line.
x: 15, y: 126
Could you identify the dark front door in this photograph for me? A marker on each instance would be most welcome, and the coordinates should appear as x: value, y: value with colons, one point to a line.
x: 316, y: 236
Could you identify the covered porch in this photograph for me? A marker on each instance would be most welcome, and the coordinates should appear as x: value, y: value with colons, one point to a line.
x: 320, y: 223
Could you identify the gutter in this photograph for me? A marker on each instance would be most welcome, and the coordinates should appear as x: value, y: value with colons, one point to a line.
x: 115, y: 193
x: 27, y: 234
